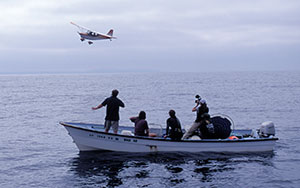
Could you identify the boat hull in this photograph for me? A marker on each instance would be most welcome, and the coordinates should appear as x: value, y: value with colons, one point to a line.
x: 89, y: 139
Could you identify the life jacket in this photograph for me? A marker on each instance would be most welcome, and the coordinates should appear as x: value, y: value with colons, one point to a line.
x: 200, y: 111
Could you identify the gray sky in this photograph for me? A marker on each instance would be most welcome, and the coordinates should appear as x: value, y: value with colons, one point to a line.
x: 166, y: 35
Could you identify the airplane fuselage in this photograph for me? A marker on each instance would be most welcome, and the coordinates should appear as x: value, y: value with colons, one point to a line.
x: 94, y: 36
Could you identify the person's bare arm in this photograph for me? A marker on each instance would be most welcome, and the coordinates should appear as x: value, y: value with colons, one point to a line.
x: 195, y: 108
x: 133, y: 119
x: 96, y: 108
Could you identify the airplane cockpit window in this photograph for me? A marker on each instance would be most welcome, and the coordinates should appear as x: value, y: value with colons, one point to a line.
x: 92, y: 33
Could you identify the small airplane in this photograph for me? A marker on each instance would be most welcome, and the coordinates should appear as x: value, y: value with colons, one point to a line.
x: 93, y: 35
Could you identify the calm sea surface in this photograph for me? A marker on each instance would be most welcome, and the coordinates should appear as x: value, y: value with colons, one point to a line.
x: 35, y: 151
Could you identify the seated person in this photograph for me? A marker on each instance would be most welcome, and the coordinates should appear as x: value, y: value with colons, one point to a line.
x: 175, y: 132
x: 206, y: 127
x: 214, y: 128
x: 140, y: 124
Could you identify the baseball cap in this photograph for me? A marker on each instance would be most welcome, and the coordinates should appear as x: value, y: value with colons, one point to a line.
x: 202, y: 101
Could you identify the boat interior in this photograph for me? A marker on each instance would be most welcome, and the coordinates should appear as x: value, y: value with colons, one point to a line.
x: 159, y: 132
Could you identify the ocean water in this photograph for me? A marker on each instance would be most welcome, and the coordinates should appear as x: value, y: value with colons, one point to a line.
x: 35, y: 151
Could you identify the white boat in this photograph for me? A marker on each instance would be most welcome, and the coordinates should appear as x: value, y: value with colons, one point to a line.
x: 91, y: 137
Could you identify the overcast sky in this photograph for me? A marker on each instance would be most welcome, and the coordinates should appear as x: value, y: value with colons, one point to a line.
x: 168, y: 35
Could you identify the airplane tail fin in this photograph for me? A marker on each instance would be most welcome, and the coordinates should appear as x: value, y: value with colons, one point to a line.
x: 111, y: 32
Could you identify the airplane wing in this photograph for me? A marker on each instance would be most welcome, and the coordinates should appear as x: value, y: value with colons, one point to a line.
x: 81, y: 27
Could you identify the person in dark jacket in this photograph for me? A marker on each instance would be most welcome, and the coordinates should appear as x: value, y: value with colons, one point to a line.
x: 217, y: 127
x: 173, y: 129
x: 112, y: 111
x: 201, y: 109
x: 206, y: 127
x: 140, y: 124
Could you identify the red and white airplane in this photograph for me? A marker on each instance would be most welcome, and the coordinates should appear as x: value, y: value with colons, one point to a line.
x: 93, y: 35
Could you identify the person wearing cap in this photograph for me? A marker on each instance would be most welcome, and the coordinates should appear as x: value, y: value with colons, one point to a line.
x: 201, y: 109
x: 113, y: 105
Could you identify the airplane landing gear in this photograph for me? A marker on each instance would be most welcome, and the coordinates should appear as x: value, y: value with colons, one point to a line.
x: 82, y: 39
x: 90, y: 42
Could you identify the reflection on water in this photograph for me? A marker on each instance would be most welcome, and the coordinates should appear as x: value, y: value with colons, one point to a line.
x: 116, y: 169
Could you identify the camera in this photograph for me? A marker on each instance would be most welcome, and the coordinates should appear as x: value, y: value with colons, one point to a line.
x: 198, y: 98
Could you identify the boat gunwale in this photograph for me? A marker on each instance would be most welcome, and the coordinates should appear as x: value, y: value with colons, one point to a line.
x: 167, y: 140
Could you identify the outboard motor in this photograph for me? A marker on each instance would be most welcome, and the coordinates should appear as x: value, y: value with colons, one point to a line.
x: 267, y: 129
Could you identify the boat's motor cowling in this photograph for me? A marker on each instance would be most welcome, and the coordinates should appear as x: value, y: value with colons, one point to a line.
x: 267, y: 129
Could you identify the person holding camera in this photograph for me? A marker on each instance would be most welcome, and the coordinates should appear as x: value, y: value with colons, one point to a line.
x: 201, y: 109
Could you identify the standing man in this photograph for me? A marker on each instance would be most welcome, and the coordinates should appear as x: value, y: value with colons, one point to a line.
x: 112, y: 111
x: 201, y: 109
